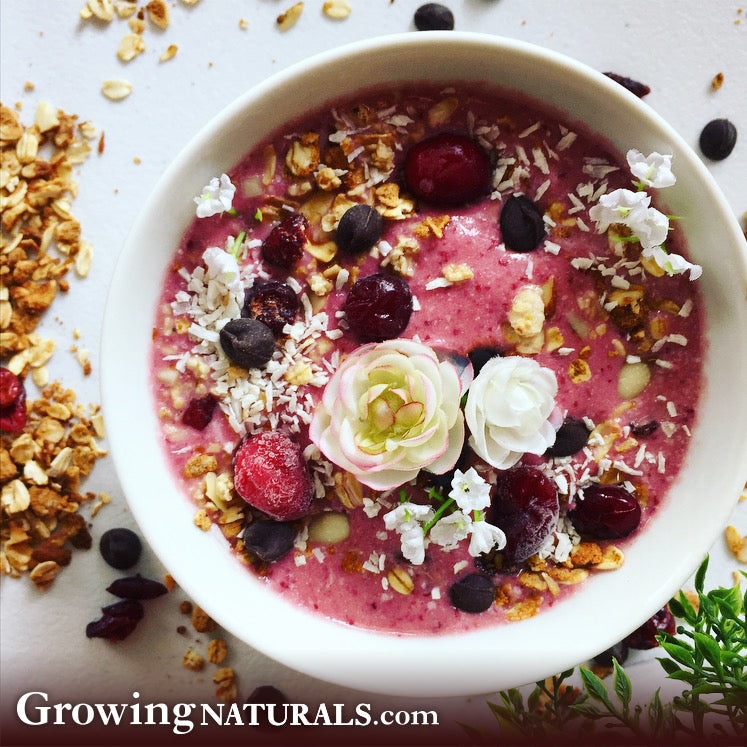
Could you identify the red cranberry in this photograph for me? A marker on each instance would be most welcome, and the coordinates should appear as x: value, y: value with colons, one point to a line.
x: 639, y: 89
x: 525, y: 506
x: 378, y: 307
x: 273, y: 303
x: 125, y: 608
x: 10, y: 387
x: 605, y: 512
x: 270, y: 474
x: 199, y: 412
x: 645, y: 636
x: 447, y: 169
x: 112, y: 627
x: 284, y: 245
x: 136, y: 587
x: 12, y: 415
x: 644, y: 430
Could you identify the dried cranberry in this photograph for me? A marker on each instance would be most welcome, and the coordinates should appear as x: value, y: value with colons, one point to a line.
x: 120, y: 548
x: 112, y: 627
x: 525, y: 506
x: 718, y: 138
x: 434, y: 17
x: 619, y: 651
x: 267, y: 695
x: 605, y: 512
x: 273, y: 303
x: 645, y: 636
x: 10, y: 387
x: 271, y: 475
x: 199, y: 412
x: 447, y: 169
x: 472, y: 593
x: 378, y: 307
x: 269, y: 540
x: 570, y: 438
x: 644, y: 430
x: 125, y: 608
x: 136, y: 587
x: 284, y: 245
x: 13, y: 416
x: 359, y: 229
x: 247, y: 342
x: 639, y: 89
x: 522, y: 224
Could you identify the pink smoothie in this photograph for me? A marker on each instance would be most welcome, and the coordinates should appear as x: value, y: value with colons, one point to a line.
x: 589, y: 333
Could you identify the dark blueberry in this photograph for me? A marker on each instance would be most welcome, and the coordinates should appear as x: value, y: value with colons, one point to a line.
x: 619, y: 651
x: 525, y: 506
x: 522, y: 226
x: 247, y: 342
x: 10, y: 387
x: 125, y: 608
x: 434, y: 17
x: 359, y: 229
x: 199, y: 412
x: 570, y: 438
x: 644, y: 430
x: 645, y: 636
x: 472, y: 593
x: 447, y: 169
x: 269, y: 540
x: 718, y: 138
x: 273, y: 303
x: 639, y: 89
x: 480, y: 356
x: 284, y: 244
x: 378, y: 307
x: 136, y: 587
x: 605, y: 512
x: 268, y: 695
x: 111, y: 627
x: 120, y: 548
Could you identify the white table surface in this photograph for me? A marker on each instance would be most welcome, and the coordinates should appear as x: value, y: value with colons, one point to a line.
x: 676, y: 46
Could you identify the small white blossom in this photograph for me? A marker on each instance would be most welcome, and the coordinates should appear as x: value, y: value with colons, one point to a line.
x: 654, y: 170
x: 216, y: 197
x: 451, y: 530
x: 407, y: 520
x: 633, y: 210
x: 223, y: 267
x: 470, y: 491
x: 649, y: 226
x: 484, y: 537
x: 672, y: 264
x: 412, y: 543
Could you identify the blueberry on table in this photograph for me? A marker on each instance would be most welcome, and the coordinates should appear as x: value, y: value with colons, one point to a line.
x: 199, y: 412
x: 359, y: 229
x: 269, y: 540
x: 247, y: 342
x: 522, y: 225
x: 570, y: 438
x: 645, y: 636
x: 472, y: 593
x: 639, y: 89
x: 605, y: 512
x: 448, y: 169
x: 284, y: 244
x: 267, y: 695
x: 718, y: 138
x: 378, y: 307
x: 434, y: 17
x: 273, y: 303
x: 120, y: 548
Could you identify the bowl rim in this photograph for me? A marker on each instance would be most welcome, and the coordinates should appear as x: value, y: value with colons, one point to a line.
x: 377, y: 677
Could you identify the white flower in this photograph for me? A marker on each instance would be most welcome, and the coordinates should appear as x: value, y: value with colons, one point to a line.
x: 391, y: 409
x: 616, y: 207
x: 407, y: 520
x: 469, y: 490
x: 507, y: 410
x: 216, y: 197
x: 223, y: 277
x: 649, y: 226
x: 654, y: 170
x: 672, y: 264
x: 484, y: 537
x: 412, y: 544
x: 451, y: 530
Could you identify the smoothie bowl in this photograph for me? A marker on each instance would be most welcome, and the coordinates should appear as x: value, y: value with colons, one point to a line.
x: 425, y: 394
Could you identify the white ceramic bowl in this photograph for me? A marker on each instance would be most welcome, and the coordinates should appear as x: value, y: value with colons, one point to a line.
x: 611, y: 605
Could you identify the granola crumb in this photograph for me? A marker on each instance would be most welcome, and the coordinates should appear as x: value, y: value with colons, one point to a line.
x: 201, y: 621
x: 28, y: 86
x: 202, y: 520
x: 186, y: 607
x: 217, y: 651
x: 718, y: 81
x: 243, y: 24
x: 192, y: 660
x: 169, y: 54
x: 288, y: 18
x: 169, y: 582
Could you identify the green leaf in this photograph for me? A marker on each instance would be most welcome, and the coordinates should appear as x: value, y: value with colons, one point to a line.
x: 688, y: 611
x: 669, y: 666
x: 655, y: 713
x: 516, y: 700
x: 593, y: 685
x: 679, y: 653
x: 621, y: 683
x: 684, y: 676
x: 588, y: 710
x: 708, y: 648
x: 700, y: 575
x: 676, y: 608
x: 533, y: 699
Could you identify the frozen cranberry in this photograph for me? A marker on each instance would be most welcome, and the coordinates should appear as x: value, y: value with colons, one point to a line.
x: 522, y: 225
x: 619, y: 651
x: 645, y: 636
x: 270, y: 474
x: 480, y: 356
x: 525, y: 506
x: 359, y: 229
x: 284, y: 244
x: 10, y: 387
x: 120, y: 548
x: 273, y: 303
x: 268, y: 696
x: 13, y: 416
x: 718, y: 138
x: 269, y: 540
x: 447, y: 169
x: 605, y: 512
x: 378, y: 307
x: 136, y: 587
x: 247, y: 342
x: 434, y: 17
x: 570, y: 438
x: 639, y: 89
x: 199, y: 412
x: 472, y: 593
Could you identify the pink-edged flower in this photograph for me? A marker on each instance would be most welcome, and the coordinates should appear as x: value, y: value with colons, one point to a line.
x: 391, y: 409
